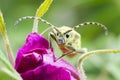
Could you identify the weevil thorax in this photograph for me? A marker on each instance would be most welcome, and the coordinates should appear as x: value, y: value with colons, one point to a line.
x: 66, y: 38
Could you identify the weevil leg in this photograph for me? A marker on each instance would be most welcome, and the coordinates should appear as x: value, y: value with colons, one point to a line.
x: 50, y: 41
x: 83, y: 50
x: 48, y: 29
x: 67, y: 53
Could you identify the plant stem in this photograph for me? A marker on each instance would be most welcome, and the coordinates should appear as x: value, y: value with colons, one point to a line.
x: 3, y: 32
x: 8, y: 47
x: 35, y: 25
x: 84, y: 56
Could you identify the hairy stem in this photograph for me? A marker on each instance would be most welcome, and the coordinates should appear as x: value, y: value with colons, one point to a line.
x: 84, y: 56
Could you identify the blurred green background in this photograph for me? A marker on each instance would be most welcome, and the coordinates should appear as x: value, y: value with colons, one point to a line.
x: 71, y: 13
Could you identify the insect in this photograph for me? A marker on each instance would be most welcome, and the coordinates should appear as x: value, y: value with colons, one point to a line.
x: 67, y: 38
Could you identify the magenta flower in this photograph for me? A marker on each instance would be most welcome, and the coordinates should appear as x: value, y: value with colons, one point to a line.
x: 35, y: 61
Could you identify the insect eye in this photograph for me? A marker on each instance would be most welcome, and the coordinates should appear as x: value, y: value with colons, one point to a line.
x: 67, y: 35
x: 58, y: 34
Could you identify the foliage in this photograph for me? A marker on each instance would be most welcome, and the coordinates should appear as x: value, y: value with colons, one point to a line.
x: 71, y: 13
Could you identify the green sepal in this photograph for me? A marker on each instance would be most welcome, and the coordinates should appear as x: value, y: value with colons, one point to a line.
x: 43, y: 8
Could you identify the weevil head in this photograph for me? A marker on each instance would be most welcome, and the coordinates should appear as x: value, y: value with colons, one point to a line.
x: 66, y: 36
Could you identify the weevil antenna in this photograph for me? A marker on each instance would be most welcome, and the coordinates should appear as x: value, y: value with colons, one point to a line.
x: 23, y: 18
x: 93, y: 23
x: 32, y: 17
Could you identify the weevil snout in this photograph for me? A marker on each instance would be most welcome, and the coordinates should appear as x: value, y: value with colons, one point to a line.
x: 60, y: 40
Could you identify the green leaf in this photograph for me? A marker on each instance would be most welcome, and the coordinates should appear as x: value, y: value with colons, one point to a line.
x: 3, y: 31
x: 8, y: 68
x: 9, y: 73
x: 4, y: 60
x: 43, y: 8
x: 2, y: 24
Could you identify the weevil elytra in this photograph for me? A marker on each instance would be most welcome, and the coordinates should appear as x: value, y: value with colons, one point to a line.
x: 67, y: 38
